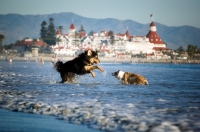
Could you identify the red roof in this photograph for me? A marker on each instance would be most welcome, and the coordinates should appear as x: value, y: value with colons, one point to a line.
x: 128, y: 34
x: 151, y: 54
x: 27, y: 43
x: 160, y: 48
x: 154, y: 38
x: 106, y: 33
x: 58, y: 32
x: 82, y: 34
x: 72, y: 26
x: 152, y: 24
x: 39, y: 43
x: 119, y: 34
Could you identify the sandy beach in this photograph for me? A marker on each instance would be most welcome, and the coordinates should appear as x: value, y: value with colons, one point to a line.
x: 47, y: 58
x: 103, y: 59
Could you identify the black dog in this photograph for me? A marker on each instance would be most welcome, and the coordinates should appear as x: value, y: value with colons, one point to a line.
x: 80, y: 65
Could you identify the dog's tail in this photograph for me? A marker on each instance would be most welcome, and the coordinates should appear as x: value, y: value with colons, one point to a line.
x: 59, y: 66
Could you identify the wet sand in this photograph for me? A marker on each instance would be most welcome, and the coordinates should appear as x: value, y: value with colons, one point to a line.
x: 25, y: 122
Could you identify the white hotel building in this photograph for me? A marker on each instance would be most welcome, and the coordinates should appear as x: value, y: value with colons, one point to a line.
x: 117, y: 45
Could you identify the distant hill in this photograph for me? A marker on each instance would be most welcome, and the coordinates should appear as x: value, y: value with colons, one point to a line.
x: 17, y: 27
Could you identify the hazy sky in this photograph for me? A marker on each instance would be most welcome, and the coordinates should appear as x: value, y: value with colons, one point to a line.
x: 168, y: 12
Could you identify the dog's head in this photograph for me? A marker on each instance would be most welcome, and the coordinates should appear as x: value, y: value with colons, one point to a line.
x: 59, y: 66
x: 118, y: 74
x: 91, y: 57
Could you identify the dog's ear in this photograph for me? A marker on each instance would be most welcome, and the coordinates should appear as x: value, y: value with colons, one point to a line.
x: 89, y: 52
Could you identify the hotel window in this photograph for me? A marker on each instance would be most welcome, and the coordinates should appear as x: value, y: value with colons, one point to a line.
x: 156, y: 39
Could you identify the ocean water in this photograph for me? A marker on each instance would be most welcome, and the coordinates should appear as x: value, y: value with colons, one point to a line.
x: 171, y: 101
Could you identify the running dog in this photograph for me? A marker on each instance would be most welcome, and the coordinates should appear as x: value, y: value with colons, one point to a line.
x: 130, y: 78
x: 83, y: 64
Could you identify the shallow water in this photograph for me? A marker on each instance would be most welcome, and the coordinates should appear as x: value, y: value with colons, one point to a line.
x: 171, y: 101
x: 22, y: 122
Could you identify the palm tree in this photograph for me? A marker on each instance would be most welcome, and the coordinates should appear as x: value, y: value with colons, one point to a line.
x: 191, y: 50
x: 91, y: 33
x: 112, y: 40
x: 180, y: 50
x: 2, y: 37
x: 43, y: 31
x: 110, y: 33
x: 51, y: 33
x: 81, y: 29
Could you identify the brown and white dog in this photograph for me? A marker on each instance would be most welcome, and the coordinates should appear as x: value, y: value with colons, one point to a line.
x: 130, y: 78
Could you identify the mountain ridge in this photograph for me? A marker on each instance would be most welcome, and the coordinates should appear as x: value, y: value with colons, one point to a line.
x: 17, y: 27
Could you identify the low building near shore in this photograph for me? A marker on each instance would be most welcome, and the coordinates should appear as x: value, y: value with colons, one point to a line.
x: 27, y: 44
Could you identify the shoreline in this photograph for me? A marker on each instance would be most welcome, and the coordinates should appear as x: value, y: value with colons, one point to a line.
x: 28, y: 122
x: 102, y: 59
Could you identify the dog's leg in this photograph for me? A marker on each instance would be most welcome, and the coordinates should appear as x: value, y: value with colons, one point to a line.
x: 89, y: 68
x: 101, y: 69
x: 126, y: 79
x: 62, y: 75
x: 70, y: 76
x: 93, y: 75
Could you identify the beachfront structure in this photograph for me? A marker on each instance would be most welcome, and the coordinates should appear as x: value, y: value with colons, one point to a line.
x: 67, y: 44
x: 116, y: 45
x: 28, y: 43
x: 154, y: 37
x: 34, y: 49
